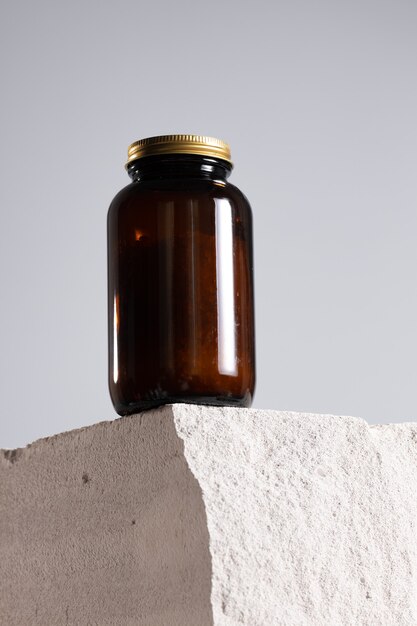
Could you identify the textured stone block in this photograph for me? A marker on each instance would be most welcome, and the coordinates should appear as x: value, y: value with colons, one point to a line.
x: 104, y: 526
x: 196, y: 515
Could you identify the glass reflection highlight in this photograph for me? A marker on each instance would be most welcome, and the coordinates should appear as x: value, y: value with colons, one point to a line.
x: 115, y: 333
x: 226, y: 331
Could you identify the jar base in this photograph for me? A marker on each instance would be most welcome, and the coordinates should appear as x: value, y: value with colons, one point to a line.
x: 146, y: 405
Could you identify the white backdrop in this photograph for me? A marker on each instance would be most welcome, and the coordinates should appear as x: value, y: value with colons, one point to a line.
x: 318, y: 101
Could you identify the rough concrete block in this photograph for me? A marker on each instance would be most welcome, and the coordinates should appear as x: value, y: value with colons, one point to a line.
x: 104, y: 526
x: 197, y: 515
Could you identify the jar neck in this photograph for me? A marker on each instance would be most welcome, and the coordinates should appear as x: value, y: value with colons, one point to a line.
x: 170, y: 166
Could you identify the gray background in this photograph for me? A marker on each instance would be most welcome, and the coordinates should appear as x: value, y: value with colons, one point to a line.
x: 318, y: 101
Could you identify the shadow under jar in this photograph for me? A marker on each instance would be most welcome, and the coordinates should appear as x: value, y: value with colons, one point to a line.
x: 180, y: 279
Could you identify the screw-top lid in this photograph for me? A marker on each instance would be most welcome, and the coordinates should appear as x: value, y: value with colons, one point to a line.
x: 179, y: 144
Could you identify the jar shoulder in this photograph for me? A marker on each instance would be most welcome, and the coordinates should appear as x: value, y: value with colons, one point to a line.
x: 137, y: 194
x: 237, y: 195
x: 121, y: 197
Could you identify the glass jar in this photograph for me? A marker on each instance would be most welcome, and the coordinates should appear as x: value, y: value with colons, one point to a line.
x: 180, y: 279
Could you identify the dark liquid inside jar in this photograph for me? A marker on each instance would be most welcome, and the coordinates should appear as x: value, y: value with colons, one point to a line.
x: 180, y: 286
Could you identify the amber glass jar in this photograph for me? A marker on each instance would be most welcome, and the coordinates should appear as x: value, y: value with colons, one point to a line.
x: 180, y: 279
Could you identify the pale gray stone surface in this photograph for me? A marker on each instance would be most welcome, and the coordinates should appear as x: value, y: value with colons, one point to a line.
x: 312, y: 518
x: 104, y: 526
x: 311, y: 521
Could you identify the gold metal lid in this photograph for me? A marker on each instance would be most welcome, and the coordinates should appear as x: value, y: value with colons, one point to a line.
x: 179, y: 144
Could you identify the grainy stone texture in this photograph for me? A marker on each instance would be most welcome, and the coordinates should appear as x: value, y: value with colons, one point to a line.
x: 312, y: 518
x: 311, y: 521
x: 104, y: 526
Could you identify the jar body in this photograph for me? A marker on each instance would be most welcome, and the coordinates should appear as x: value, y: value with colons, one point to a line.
x: 180, y: 293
